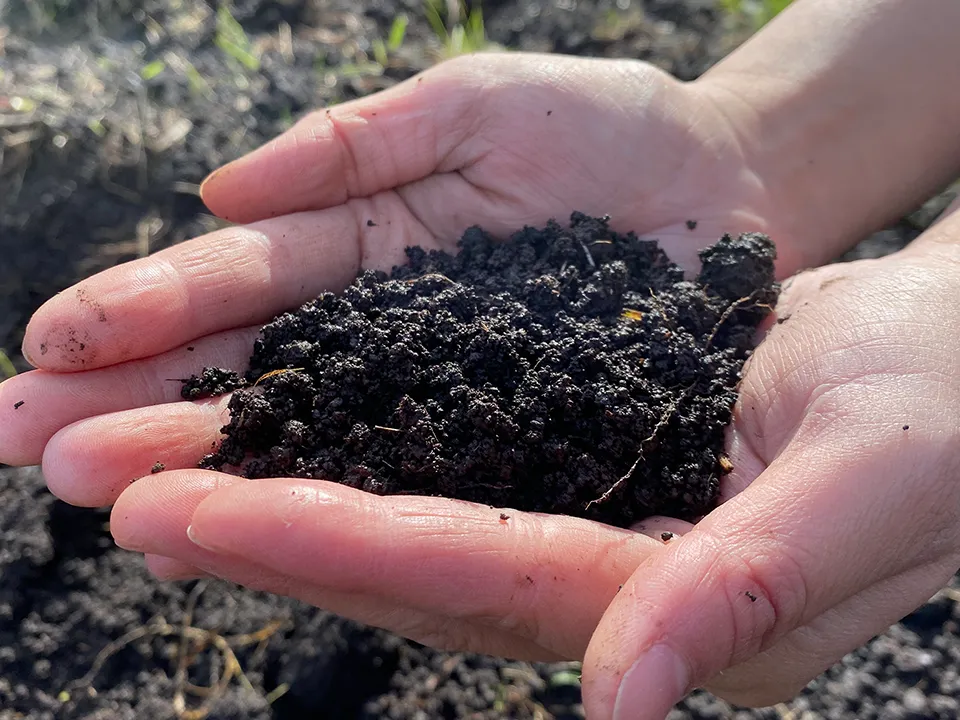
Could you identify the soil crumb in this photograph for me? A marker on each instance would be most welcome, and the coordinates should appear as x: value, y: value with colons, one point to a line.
x: 569, y: 369
x: 211, y: 382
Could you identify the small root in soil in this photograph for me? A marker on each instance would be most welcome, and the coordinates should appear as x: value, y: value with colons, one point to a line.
x: 192, y: 642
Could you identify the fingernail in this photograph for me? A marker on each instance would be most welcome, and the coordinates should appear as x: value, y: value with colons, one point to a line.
x: 26, y: 356
x: 192, y: 535
x: 212, y: 176
x: 652, y: 686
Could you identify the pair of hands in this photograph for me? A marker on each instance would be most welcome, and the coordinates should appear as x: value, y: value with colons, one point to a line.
x: 841, y: 514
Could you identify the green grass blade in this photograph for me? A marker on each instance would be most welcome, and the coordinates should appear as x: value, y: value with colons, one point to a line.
x: 437, y: 24
x: 232, y: 40
x: 7, y: 370
x: 238, y: 53
x: 380, y: 52
x: 398, y: 32
x: 151, y: 70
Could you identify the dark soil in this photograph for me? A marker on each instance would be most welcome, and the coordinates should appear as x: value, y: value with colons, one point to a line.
x: 100, y: 166
x: 569, y: 370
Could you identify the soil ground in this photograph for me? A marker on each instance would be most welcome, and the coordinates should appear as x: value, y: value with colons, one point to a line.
x: 111, y: 112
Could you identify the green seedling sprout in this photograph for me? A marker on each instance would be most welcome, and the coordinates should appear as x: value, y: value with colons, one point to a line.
x: 7, y: 369
x: 233, y: 41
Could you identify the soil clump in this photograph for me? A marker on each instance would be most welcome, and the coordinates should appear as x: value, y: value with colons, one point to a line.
x: 568, y: 369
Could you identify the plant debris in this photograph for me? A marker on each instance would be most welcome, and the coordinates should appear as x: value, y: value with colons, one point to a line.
x: 510, y: 374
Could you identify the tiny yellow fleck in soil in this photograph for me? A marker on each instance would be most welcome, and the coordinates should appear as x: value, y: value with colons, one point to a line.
x: 631, y: 314
x: 725, y: 464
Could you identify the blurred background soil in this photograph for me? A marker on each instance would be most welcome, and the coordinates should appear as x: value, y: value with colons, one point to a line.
x: 111, y: 113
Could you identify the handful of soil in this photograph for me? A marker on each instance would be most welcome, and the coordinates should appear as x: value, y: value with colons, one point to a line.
x: 568, y: 370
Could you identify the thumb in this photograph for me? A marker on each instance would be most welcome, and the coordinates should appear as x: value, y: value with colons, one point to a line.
x: 355, y: 149
x: 791, y: 546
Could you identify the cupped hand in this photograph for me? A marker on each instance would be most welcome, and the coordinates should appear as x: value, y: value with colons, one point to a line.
x: 495, y: 140
x: 844, y: 515
x: 824, y: 507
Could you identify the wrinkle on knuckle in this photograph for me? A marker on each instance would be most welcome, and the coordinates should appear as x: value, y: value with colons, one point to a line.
x: 349, y: 158
x: 526, y: 602
x: 766, y: 592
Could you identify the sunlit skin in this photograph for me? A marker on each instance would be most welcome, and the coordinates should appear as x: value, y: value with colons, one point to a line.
x: 842, y: 511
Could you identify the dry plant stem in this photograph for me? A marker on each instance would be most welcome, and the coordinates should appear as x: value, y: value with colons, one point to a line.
x: 179, y: 704
x: 199, y: 639
x: 672, y: 408
x: 661, y: 423
x: 729, y: 311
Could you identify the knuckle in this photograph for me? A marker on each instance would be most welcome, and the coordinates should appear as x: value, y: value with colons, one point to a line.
x: 765, y: 594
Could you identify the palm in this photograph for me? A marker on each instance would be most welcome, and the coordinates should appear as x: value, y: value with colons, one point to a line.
x: 494, y: 141
x: 507, y: 143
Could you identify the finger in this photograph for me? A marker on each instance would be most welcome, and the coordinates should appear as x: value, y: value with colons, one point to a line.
x: 228, y: 279
x: 51, y: 401
x: 166, y: 568
x: 761, y: 565
x: 352, y: 150
x: 91, y: 462
x: 545, y: 578
x: 137, y: 522
x: 781, y: 672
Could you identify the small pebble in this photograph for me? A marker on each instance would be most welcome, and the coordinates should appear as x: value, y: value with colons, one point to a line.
x: 914, y: 700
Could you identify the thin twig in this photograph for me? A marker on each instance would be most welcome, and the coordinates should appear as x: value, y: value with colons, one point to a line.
x: 586, y: 252
x: 200, y: 638
x: 429, y: 275
x: 180, y: 678
x: 274, y: 373
x: 664, y: 419
x: 730, y: 310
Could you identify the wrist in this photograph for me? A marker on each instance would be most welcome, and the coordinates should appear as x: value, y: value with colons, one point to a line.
x: 844, y: 113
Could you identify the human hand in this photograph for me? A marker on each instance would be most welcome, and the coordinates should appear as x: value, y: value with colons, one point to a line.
x: 495, y: 140
x: 531, y: 586
x: 843, y: 514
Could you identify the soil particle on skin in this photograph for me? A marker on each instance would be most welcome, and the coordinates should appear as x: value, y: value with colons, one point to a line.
x: 19, y: 404
x: 666, y: 536
x: 751, y: 596
x: 157, y: 467
x: 691, y: 224
x: 569, y: 369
